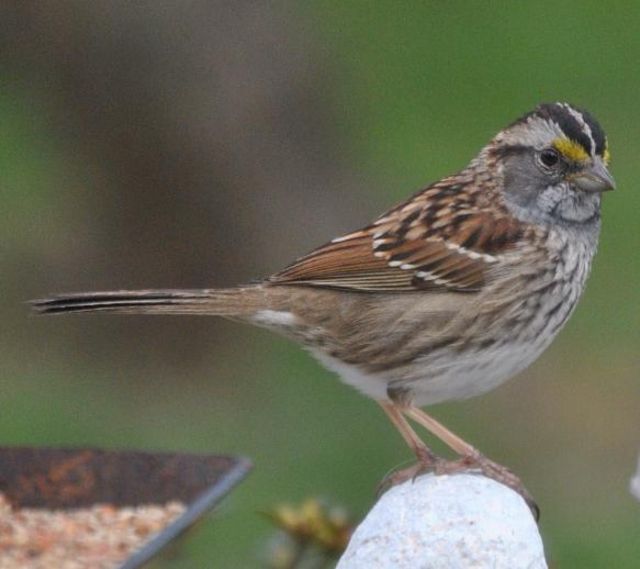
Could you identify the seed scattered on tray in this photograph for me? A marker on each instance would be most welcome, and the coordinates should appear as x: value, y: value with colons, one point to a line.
x: 100, y: 537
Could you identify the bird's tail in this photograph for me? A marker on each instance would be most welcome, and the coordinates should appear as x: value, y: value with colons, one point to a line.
x: 240, y: 301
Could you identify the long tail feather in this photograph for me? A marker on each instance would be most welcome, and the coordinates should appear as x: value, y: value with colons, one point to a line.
x: 221, y: 302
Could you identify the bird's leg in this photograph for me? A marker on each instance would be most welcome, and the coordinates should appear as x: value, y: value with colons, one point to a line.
x: 426, y: 459
x: 452, y: 440
x: 470, y: 457
x: 423, y: 452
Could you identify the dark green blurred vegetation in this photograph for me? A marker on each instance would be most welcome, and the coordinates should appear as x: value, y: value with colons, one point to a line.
x: 208, y: 143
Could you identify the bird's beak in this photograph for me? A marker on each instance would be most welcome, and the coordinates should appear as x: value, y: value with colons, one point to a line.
x: 594, y: 178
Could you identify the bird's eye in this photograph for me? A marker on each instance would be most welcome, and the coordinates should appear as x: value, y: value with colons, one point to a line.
x: 549, y: 157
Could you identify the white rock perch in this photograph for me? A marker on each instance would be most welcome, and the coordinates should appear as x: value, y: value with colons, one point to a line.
x: 634, y: 485
x: 461, y: 521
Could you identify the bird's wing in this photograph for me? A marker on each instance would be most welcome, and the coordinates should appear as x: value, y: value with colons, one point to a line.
x: 437, y: 240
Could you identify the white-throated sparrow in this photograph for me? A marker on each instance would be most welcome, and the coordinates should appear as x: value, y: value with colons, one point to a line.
x: 446, y: 295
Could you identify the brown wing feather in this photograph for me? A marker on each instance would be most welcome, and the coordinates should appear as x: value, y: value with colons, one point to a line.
x: 439, y: 239
x: 346, y: 264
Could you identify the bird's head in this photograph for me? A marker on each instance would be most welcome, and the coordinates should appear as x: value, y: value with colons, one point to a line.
x: 554, y: 161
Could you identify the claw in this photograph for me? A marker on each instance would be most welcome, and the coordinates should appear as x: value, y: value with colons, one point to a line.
x: 491, y: 470
x: 426, y: 464
x: 476, y: 462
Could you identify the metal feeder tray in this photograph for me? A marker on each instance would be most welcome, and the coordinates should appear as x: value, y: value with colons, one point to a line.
x: 58, y: 479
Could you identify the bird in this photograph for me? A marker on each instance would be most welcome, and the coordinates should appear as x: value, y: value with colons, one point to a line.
x: 443, y: 297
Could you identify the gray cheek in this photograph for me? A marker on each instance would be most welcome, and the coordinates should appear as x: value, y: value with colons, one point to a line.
x: 527, y: 193
x: 534, y: 197
x: 534, y: 201
x: 578, y: 207
x: 550, y: 200
x: 523, y: 183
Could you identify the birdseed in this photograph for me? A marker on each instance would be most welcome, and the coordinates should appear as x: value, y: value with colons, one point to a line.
x: 100, y: 537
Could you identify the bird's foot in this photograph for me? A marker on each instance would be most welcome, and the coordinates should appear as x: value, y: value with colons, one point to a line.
x: 490, y: 469
x: 427, y: 462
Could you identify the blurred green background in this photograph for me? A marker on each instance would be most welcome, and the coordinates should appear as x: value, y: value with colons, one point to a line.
x: 193, y: 144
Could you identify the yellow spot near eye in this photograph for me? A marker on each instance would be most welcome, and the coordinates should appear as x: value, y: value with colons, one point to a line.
x: 571, y: 150
x: 606, y: 155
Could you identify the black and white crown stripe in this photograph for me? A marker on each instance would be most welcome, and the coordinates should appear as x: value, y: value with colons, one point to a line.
x: 559, y: 119
x: 586, y: 129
